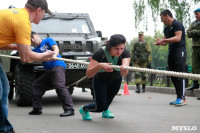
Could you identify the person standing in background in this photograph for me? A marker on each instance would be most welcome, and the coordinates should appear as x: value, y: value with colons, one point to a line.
x: 194, y: 33
x: 174, y: 34
x: 141, y: 57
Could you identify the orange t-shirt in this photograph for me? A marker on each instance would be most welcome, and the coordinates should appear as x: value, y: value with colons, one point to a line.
x: 15, y: 27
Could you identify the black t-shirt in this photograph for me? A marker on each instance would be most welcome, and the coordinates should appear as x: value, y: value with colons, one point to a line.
x: 100, y: 56
x: 169, y: 32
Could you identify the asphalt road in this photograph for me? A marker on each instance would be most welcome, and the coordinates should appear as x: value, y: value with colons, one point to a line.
x: 135, y: 113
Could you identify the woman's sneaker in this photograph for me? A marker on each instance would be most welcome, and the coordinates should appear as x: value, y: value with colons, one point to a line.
x: 107, y: 114
x: 85, y: 114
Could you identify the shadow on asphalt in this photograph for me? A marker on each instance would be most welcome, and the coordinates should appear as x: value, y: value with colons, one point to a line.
x: 53, y: 100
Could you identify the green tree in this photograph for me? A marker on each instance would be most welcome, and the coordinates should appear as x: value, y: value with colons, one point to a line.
x: 189, y: 51
x: 159, y: 53
x: 181, y: 10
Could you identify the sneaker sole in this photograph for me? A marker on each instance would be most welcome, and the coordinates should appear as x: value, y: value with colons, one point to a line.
x: 107, y: 117
x: 181, y: 104
x: 67, y: 115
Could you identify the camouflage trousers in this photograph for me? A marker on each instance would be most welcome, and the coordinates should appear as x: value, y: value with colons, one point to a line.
x: 140, y: 78
x: 196, y: 60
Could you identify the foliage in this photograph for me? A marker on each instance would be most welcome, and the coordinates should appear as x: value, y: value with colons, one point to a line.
x: 189, y: 50
x: 181, y: 10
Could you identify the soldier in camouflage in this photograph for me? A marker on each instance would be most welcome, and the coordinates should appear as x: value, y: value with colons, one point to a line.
x: 194, y: 33
x: 141, y: 57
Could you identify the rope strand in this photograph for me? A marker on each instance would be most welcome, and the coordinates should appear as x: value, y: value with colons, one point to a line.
x: 136, y: 69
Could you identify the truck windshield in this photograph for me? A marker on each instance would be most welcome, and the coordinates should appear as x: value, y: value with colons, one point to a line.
x: 61, y: 26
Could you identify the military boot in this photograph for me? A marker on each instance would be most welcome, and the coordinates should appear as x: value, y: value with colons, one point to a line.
x: 194, y: 86
x: 137, y: 88
x: 143, y: 88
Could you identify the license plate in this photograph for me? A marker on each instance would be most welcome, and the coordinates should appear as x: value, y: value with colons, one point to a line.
x: 75, y: 66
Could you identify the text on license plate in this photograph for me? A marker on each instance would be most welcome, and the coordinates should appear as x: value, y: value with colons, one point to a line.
x: 75, y: 66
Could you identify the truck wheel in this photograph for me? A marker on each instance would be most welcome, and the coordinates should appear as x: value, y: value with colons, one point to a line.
x: 71, y: 90
x: 24, y: 77
x: 10, y: 96
x: 11, y: 83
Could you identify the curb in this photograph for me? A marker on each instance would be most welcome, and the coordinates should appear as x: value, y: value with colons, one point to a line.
x: 165, y: 90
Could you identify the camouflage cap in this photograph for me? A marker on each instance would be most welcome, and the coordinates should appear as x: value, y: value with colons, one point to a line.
x: 197, y: 10
x: 141, y: 33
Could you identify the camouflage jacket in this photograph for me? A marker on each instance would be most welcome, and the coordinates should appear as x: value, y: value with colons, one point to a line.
x: 194, y: 33
x: 141, y: 52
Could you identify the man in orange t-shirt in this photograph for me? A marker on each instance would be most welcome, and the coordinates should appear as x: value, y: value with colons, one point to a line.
x: 15, y: 27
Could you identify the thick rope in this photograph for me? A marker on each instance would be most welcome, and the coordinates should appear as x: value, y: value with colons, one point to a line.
x: 77, y: 82
x: 145, y: 70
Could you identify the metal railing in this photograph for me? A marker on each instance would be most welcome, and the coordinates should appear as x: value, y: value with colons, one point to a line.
x: 158, y: 79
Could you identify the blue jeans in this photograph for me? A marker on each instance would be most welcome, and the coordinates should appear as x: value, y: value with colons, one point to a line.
x: 5, y: 125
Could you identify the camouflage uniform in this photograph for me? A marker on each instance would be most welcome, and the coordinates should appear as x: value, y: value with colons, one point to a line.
x: 194, y: 33
x: 141, y: 57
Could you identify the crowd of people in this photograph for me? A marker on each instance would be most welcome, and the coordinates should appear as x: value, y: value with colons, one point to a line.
x: 15, y: 27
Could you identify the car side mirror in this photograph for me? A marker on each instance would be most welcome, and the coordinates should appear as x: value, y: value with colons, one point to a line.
x: 99, y: 33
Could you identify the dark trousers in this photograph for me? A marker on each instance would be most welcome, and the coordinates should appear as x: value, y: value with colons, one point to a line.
x: 176, y: 62
x: 104, y: 93
x: 52, y: 79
